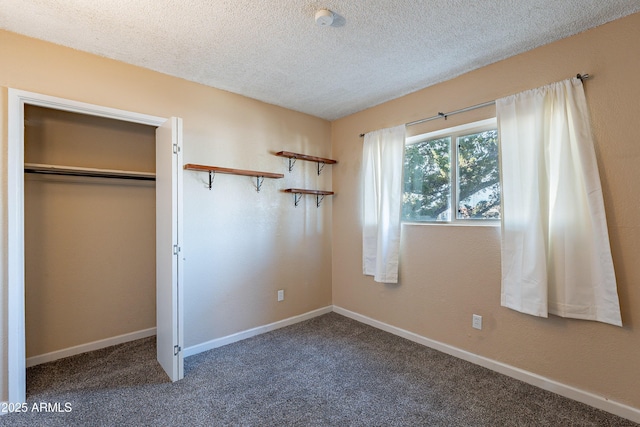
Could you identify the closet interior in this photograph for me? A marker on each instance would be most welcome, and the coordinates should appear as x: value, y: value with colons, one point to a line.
x: 89, y: 229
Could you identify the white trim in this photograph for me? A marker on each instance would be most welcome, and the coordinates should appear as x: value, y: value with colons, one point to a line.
x: 539, y: 381
x: 17, y: 99
x: 55, y: 103
x: 91, y: 346
x: 16, y: 375
x: 455, y: 131
x: 239, y: 336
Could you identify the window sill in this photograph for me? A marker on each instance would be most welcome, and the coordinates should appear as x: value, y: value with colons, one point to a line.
x: 469, y: 223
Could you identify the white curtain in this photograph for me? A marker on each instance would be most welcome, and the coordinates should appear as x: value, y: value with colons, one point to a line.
x: 556, y: 256
x: 382, y: 162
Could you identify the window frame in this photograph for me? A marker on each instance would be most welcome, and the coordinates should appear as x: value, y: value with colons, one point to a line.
x: 454, y: 132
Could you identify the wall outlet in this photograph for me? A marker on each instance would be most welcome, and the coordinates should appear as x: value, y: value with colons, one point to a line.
x: 281, y: 295
x: 477, y: 321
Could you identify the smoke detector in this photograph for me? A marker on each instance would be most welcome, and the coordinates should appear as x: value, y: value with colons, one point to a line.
x: 324, y: 17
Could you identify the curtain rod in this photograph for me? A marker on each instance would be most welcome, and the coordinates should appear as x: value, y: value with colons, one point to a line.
x: 582, y: 78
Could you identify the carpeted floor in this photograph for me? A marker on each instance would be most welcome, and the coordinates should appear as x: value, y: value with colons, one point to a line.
x: 328, y: 371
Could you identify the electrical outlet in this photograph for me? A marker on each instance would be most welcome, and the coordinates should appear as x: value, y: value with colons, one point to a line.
x: 477, y: 321
x: 281, y: 295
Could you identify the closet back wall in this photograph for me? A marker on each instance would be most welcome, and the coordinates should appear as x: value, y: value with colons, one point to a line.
x: 89, y: 242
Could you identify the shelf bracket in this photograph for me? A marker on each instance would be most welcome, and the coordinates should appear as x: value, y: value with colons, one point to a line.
x: 319, y: 199
x: 212, y: 175
x: 292, y: 161
x: 320, y: 167
x: 296, y: 199
x: 260, y: 176
x: 259, y: 181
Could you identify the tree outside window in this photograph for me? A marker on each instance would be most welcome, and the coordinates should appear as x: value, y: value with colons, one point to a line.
x: 432, y: 179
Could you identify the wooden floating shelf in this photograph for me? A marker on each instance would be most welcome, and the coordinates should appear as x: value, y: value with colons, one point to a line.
x: 87, y: 172
x: 260, y: 176
x: 295, y: 156
x: 291, y: 155
x: 203, y: 168
x: 303, y: 191
x: 298, y: 192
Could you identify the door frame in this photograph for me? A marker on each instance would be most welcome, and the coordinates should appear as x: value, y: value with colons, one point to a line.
x: 17, y: 99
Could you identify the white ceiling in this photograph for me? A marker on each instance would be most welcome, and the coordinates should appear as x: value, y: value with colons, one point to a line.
x: 272, y: 50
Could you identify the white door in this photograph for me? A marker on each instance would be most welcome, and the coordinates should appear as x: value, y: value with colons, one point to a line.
x: 168, y: 241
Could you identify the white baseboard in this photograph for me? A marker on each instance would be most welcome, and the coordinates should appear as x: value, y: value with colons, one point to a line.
x: 83, y: 348
x: 539, y: 381
x: 239, y: 336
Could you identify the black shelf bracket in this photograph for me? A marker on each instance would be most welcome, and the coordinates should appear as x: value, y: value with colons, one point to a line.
x: 292, y: 161
x: 259, y: 181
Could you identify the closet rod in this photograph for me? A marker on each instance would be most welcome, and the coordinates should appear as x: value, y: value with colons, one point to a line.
x: 581, y: 77
x: 92, y: 175
x: 87, y: 172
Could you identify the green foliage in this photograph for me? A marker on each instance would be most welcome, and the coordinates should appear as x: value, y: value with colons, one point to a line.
x: 479, y: 176
x: 427, y: 178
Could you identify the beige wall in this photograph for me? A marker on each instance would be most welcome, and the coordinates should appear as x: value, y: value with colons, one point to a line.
x: 90, y: 269
x: 240, y: 246
x: 448, y: 273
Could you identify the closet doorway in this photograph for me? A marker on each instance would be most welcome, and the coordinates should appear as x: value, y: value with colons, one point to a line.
x: 90, y: 254
x: 168, y: 229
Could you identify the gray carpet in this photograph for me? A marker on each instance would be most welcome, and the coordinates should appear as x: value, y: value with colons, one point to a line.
x: 328, y: 371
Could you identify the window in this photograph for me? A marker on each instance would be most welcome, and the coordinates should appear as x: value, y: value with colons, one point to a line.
x: 452, y: 175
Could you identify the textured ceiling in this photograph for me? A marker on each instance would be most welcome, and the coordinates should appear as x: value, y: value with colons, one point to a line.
x: 272, y: 50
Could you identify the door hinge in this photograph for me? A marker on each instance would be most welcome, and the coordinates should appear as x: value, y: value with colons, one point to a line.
x: 176, y: 349
x: 176, y: 149
x: 176, y: 249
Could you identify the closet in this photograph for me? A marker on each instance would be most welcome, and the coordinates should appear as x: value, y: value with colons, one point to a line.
x: 89, y: 238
